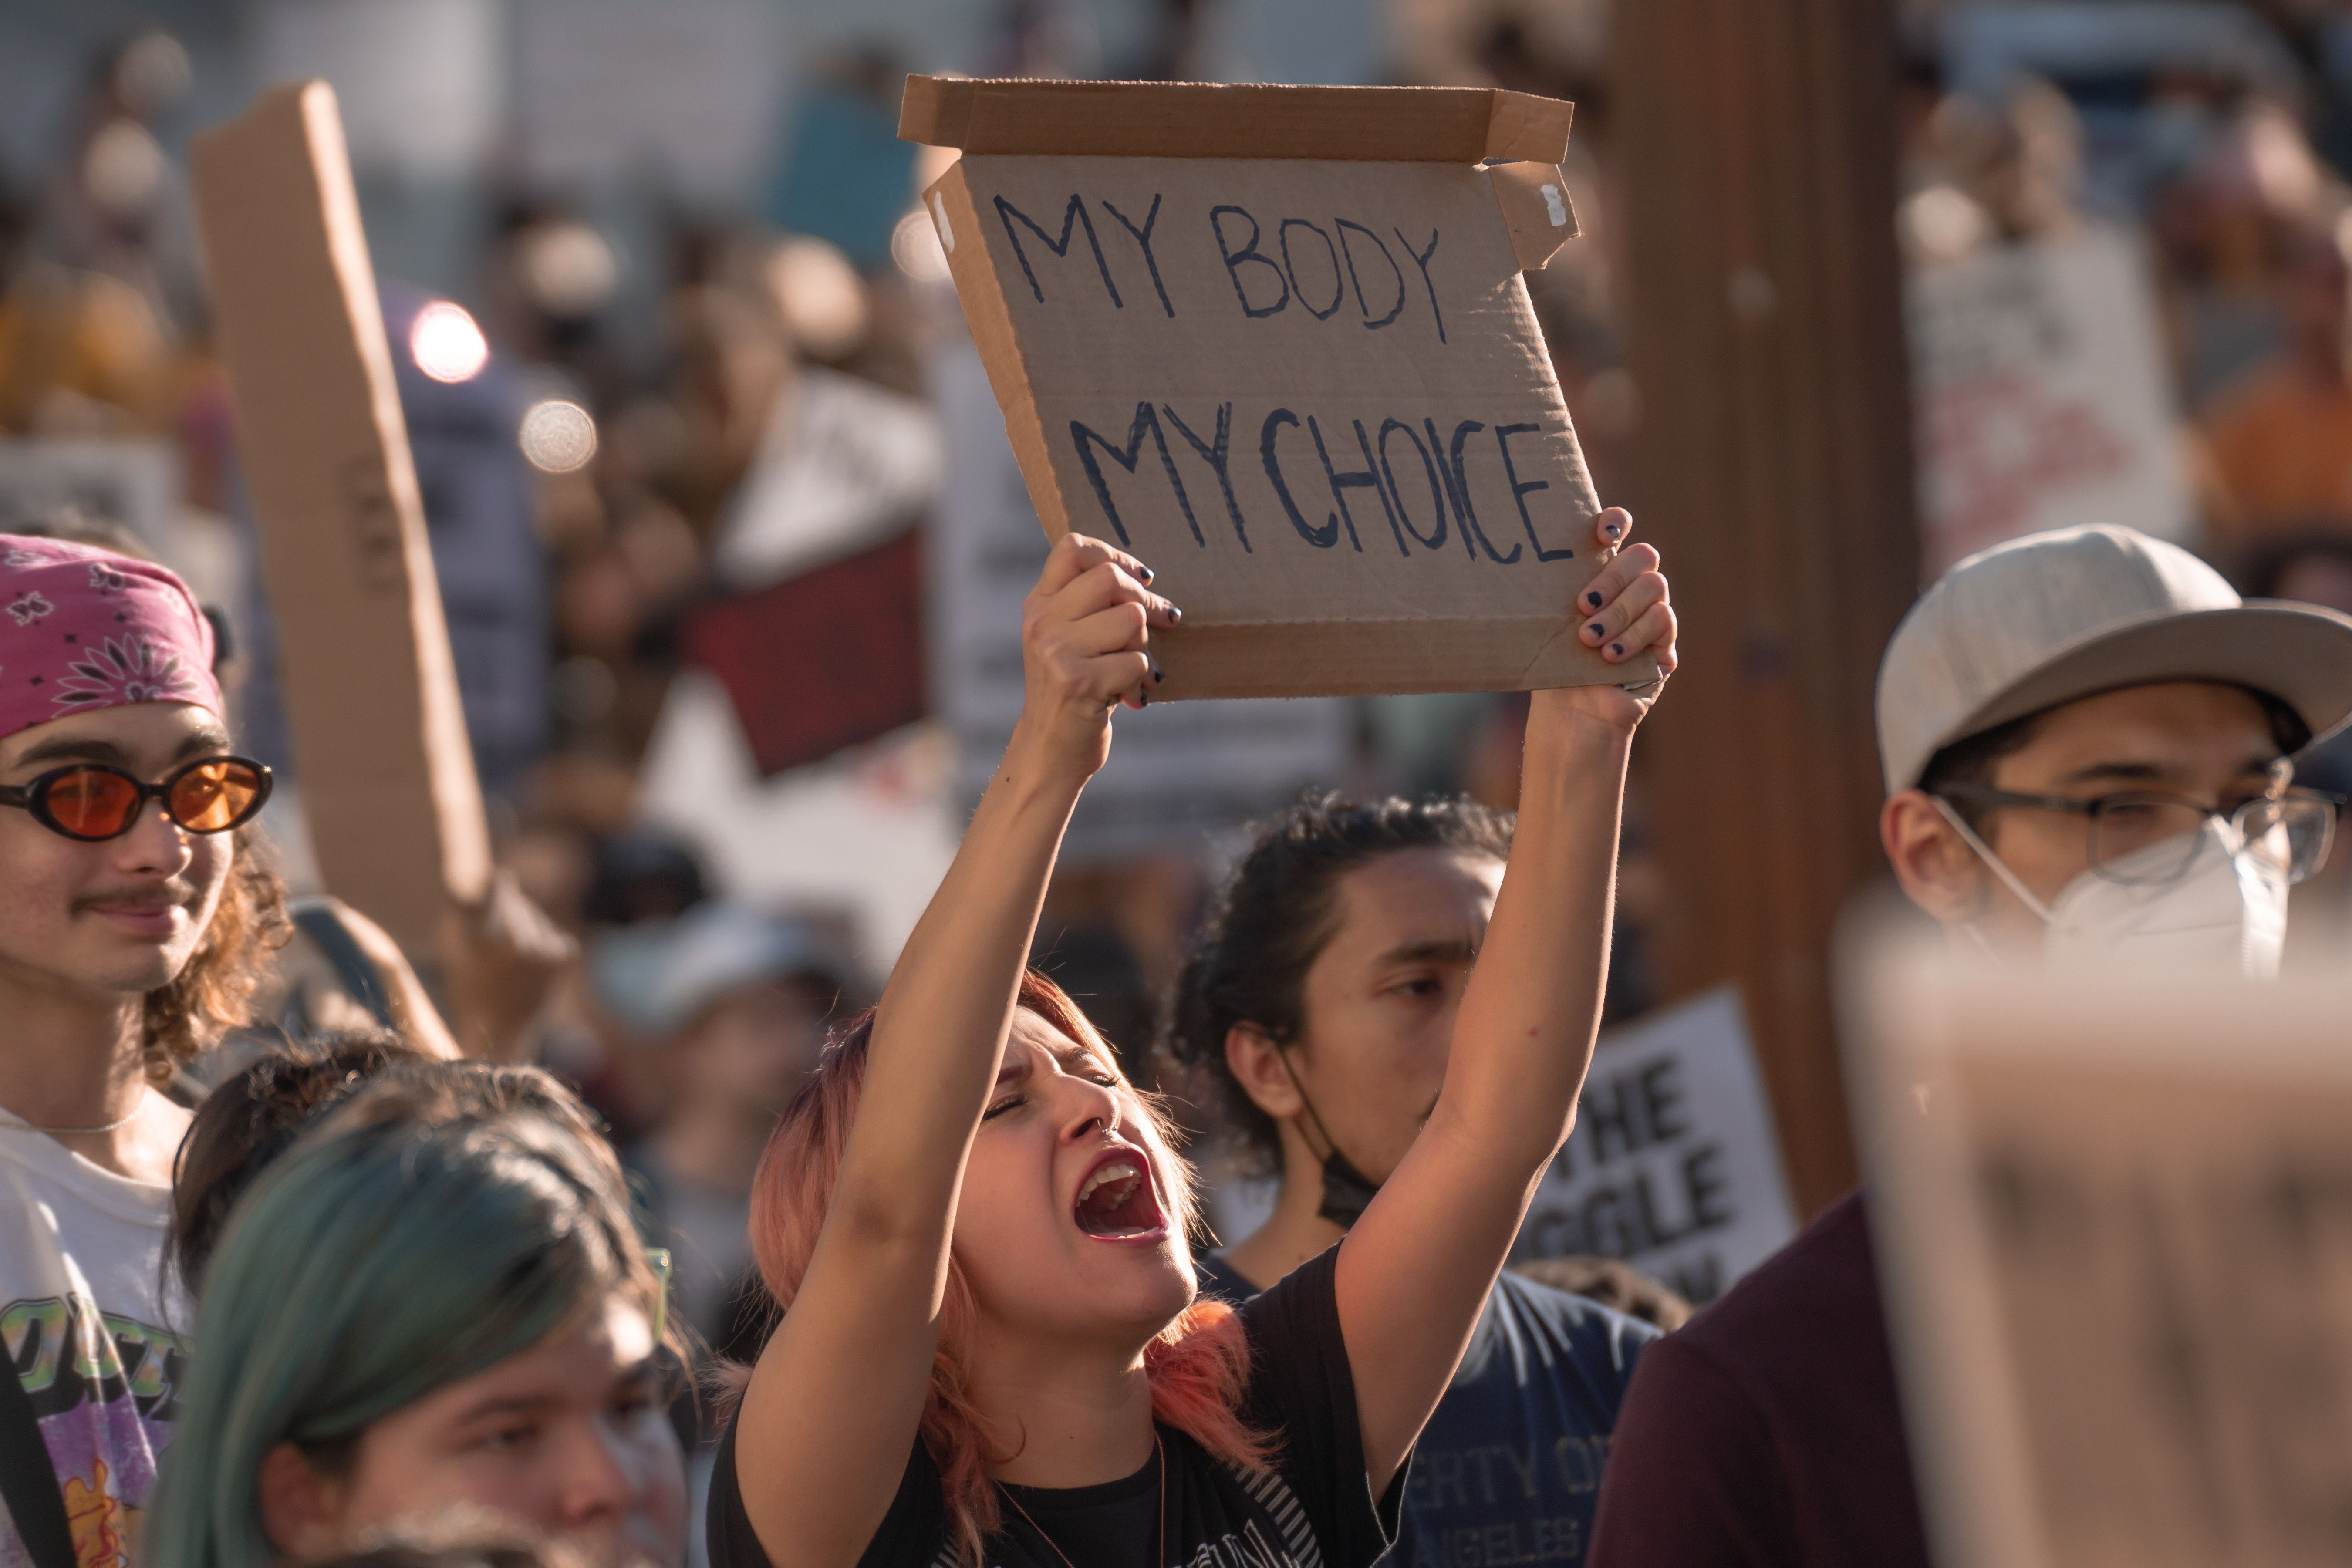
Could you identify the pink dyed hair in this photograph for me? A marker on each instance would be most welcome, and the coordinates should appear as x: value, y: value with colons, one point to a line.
x: 1198, y: 1366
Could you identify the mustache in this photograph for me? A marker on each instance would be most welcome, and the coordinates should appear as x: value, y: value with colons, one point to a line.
x: 175, y: 893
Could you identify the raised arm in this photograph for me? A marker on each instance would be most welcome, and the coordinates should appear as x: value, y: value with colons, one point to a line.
x: 1416, y: 1268
x: 830, y: 1415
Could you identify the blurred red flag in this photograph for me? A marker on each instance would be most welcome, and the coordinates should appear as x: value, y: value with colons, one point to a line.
x: 823, y: 660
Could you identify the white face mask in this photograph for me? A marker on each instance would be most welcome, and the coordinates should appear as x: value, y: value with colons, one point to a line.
x: 2226, y: 913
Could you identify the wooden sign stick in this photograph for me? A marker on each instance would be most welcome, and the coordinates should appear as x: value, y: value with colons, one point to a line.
x: 370, y: 687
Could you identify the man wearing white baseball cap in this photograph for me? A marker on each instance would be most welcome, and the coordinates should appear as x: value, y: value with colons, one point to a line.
x: 2087, y: 738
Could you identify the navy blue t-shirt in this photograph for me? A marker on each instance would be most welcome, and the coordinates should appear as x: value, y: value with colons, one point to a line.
x: 1509, y: 1468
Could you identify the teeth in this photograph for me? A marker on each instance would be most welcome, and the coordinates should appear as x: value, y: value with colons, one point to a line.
x: 1122, y: 1171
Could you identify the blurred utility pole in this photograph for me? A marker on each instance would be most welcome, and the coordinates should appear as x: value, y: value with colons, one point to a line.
x: 1756, y: 142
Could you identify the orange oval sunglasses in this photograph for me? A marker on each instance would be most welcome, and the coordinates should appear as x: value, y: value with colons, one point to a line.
x: 92, y: 802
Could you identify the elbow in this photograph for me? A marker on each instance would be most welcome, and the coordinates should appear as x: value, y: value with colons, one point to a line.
x: 1509, y: 1140
x: 879, y: 1222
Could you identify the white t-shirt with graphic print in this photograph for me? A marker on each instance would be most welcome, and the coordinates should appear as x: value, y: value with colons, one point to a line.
x: 87, y: 1330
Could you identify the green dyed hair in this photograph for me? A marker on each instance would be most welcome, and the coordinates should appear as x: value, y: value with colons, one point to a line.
x: 365, y: 1269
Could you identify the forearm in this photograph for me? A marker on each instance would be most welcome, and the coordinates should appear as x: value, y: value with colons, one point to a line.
x: 1524, y: 1037
x: 940, y: 1029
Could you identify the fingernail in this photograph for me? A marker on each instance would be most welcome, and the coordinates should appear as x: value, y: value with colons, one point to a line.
x: 1158, y: 674
x: 1149, y: 573
x: 1618, y: 648
x: 1143, y: 699
x: 1613, y: 529
x: 1174, y: 614
x: 1596, y: 628
x: 1593, y: 599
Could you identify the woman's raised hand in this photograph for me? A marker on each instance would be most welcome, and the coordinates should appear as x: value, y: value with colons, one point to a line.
x: 1623, y: 613
x: 1085, y: 632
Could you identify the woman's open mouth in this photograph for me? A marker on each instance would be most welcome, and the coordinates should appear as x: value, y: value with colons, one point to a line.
x: 1116, y: 1201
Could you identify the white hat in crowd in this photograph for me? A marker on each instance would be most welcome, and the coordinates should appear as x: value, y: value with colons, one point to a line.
x: 2051, y: 617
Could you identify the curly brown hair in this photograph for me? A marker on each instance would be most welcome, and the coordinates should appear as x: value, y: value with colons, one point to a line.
x: 210, y: 993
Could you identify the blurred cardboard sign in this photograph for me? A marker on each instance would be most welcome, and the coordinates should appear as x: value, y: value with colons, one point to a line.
x: 1180, y: 773
x: 2042, y: 400
x: 2116, y: 1225
x: 370, y: 687
x: 1674, y: 1166
x: 1276, y: 341
x: 826, y: 659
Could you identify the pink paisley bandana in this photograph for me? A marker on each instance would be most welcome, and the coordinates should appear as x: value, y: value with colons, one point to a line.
x: 83, y: 628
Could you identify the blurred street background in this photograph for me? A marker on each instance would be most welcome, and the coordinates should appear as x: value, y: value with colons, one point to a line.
x: 1861, y: 289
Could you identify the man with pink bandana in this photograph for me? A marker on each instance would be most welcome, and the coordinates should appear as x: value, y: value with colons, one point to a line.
x: 129, y: 931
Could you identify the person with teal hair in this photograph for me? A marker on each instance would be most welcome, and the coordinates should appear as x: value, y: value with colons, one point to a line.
x: 416, y: 1316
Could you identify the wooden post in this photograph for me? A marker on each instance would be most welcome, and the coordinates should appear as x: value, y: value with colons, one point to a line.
x: 1773, y: 467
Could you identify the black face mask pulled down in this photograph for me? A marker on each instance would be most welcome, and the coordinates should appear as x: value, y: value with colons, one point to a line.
x: 1347, y: 1192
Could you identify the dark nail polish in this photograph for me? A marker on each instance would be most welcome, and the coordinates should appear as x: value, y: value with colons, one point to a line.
x: 1596, y: 628
x: 1174, y: 614
x: 1149, y: 573
x: 1618, y: 648
x: 1158, y: 674
x: 1143, y: 699
x: 1613, y: 529
x: 1593, y: 599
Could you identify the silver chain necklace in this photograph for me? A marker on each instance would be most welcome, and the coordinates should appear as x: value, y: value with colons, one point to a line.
x: 13, y: 1122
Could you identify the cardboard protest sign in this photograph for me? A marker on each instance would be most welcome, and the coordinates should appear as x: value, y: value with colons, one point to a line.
x: 371, y: 689
x: 2042, y: 400
x: 1179, y: 773
x: 2115, y: 1231
x: 1674, y: 1166
x: 1276, y: 341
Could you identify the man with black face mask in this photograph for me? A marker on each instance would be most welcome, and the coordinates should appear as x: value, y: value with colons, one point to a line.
x: 1320, y: 1007
x: 2086, y: 739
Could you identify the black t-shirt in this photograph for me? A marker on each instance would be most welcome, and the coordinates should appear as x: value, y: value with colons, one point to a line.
x: 1509, y: 1468
x: 1313, y: 1509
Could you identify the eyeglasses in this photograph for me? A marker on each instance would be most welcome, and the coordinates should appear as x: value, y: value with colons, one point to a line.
x: 2145, y: 839
x: 92, y: 802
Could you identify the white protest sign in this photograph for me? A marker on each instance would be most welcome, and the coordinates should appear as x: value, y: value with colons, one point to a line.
x: 1673, y: 1166
x: 421, y: 83
x: 2040, y: 396
x: 2113, y: 1226
x: 869, y: 832
x: 133, y: 482
x: 1177, y: 772
x: 683, y: 94
x: 844, y: 464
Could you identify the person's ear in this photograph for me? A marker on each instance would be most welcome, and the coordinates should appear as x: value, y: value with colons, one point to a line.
x: 301, y: 1510
x: 1940, y: 872
x: 1257, y: 1066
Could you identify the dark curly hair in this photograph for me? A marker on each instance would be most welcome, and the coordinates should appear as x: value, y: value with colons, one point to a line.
x: 254, y: 1116
x: 209, y: 995
x: 1271, y: 920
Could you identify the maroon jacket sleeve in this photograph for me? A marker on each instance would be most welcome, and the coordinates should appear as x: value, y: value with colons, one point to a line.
x: 1693, y: 1480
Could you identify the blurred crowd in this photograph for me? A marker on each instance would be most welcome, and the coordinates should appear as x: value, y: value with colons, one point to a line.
x: 587, y: 417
